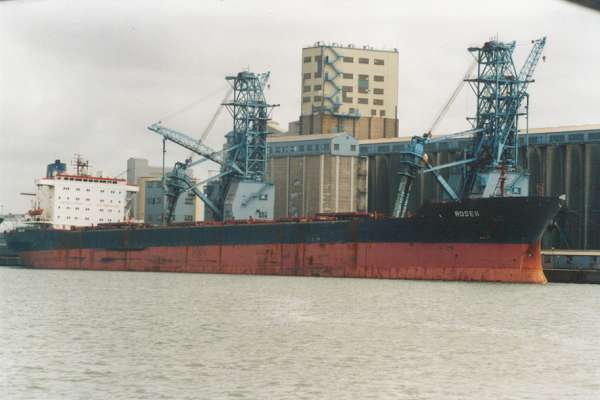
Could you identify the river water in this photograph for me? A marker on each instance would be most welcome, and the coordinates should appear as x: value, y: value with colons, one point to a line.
x: 126, y: 335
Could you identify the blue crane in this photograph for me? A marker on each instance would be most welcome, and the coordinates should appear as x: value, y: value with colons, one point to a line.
x: 491, y: 164
x: 243, y: 158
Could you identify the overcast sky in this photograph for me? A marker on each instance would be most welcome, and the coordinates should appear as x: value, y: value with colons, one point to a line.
x: 89, y: 76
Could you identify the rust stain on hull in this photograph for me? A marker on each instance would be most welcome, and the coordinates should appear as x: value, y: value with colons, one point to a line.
x: 431, y: 261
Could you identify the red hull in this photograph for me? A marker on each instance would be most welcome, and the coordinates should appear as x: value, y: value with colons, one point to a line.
x: 433, y: 261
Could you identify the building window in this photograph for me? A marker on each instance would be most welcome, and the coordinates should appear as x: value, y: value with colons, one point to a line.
x: 307, y: 75
x: 347, y: 99
x: 351, y: 110
x: 352, y: 147
x: 363, y: 83
x: 382, y: 113
x: 318, y: 59
x: 378, y: 78
x: 347, y: 76
x: 363, y: 60
x: 309, y: 147
x: 317, y: 98
x: 347, y: 88
x: 373, y: 113
x: 189, y: 218
x: 317, y: 74
x: 363, y: 101
x: 306, y: 99
x: 306, y: 89
x: 348, y: 59
x: 77, y: 189
x: 378, y: 102
x: 336, y: 146
x: 317, y: 88
x: 378, y: 91
x: 307, y: 59
x: 378, y: 61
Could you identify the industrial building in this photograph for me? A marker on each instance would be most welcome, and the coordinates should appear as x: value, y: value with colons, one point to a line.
x: 148, y: 204
x: 139, y: 170
x: 561, y: 160
x: 317, y: 174
x: 348, y: 89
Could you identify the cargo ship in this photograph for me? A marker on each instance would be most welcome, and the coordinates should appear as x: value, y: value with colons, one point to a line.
x: 493, y: 239
x: 490, y: 230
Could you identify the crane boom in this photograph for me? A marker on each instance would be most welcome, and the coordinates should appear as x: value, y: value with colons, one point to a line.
x: 191, y: 144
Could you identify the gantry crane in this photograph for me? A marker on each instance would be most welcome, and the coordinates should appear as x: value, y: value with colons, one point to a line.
x: 492, y: 162
x: 241, y: 181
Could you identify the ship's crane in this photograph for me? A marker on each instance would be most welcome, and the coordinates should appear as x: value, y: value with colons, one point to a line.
x: 242, y: 161
x: 492, y: 163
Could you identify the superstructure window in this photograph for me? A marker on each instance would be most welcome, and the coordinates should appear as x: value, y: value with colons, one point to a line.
x: 378, y: 61
x: 363, y: 60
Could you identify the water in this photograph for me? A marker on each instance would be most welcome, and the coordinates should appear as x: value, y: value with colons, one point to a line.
x: 102, y: 335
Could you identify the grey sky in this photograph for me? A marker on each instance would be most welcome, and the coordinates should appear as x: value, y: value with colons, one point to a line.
x: 89, y: 76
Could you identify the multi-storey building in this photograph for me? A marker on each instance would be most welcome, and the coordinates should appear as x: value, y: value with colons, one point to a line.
x: 139, y: 169
x: 348, y: 89
x: 148, y: 179
x: 154, y: 203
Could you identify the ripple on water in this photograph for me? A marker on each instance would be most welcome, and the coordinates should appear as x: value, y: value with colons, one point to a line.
x: 78, y: 334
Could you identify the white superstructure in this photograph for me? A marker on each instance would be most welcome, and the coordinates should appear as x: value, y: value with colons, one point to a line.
x: 80, y: 200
